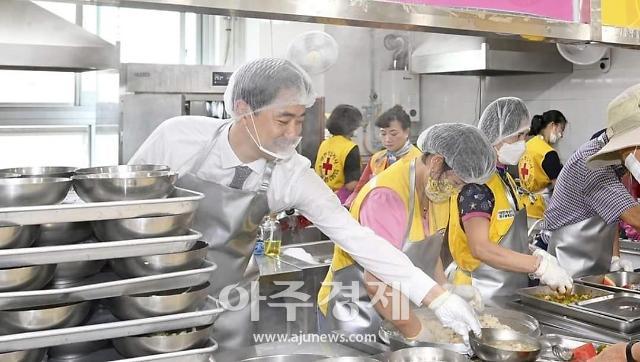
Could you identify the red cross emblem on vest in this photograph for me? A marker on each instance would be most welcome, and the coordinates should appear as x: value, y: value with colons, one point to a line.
x: 524, y: 171
x: 327, y: 166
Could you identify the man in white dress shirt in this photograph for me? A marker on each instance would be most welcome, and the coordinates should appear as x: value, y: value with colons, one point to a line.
x: 248, y: 167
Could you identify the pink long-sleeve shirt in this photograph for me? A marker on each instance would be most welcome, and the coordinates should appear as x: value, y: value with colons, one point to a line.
x: 383, y: 211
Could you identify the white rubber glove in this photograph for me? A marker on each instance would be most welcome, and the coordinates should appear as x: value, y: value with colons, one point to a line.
x: 424, y: 335
x: 469, y: 293
x: 550, y: 273
x: 618, y: 264
x: 455, y: 313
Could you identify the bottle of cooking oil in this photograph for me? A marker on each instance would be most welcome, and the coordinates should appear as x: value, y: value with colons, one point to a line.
x: 272, y: 236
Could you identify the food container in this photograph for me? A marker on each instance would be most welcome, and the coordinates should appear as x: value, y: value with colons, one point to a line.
x: 162, y: 342
x: 501, y: 345
x: 447, y: 339
x: 104, y: 187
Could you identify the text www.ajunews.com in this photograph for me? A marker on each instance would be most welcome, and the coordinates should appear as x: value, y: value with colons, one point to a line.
x: 312, y: 338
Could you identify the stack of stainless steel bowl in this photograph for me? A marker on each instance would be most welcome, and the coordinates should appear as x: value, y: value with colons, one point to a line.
x: 22, y: 187
x: 119, y: 183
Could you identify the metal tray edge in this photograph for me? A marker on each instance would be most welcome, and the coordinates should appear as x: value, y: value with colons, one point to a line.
x: 82, y: 291
x: 110, y: 330
x: 97, y: 250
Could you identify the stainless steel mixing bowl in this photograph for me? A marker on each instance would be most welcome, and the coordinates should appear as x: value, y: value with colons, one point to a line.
x: 155, y: 304
x: 426, y: 354
x: 75, y: 351
x: 44, y: 171
x: 349, y: 359
x: 120, y: 169
x: 73, y: 272
x: 42, y: 318
x: 33, y: 191
x: 124, y: 186
x: 143, y: 227
x: 26, y: 278
x: 18, y: 236
x: 483, y: 348
x: 159, y: 264
x: 172, y: 341
x: 32, y: 355
x: 64, y: 233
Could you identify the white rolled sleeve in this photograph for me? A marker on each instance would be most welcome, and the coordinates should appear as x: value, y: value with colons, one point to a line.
x: 322, y: 207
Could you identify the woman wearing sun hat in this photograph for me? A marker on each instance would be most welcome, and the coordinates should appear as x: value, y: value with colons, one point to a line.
x: 589, y: 199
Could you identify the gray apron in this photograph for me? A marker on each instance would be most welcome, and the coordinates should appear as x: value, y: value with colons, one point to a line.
x: 343, y: 306
x: 493, y: 282
x: 584, y: 248
x: 228, y: 219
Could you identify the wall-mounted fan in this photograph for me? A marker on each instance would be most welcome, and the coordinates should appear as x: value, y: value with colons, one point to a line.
x: 313, y: 51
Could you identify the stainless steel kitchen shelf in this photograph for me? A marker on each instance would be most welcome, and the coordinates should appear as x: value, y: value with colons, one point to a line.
x: 181, y: 201
x: 107, y: 285
x: 192, y: 355
x: 528, y: 296
x: 10, y: 258
x: 111, y: 329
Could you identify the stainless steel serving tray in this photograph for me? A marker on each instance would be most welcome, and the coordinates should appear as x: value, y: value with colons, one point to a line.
x: 10, y: 258
x: 73, y: 209
x: 107, y: 285
x: 620, y: 278
x: 630, y: 245
x: 192, y: 355
x: 102, y: 327
x: 529, y: 297
x: 624, y: 306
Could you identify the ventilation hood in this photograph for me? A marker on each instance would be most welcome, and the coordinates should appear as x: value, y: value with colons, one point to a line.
x: 32, y: 38
x: 467, y: 55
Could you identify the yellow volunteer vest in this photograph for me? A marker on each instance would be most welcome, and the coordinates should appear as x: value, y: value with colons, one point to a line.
x: 330, y: 160
x: 378, y: 162
x: 532, y: 175
x: 499, y: 225
x: 395, y: 178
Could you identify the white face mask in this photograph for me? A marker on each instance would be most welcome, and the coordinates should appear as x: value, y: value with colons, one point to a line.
x: 633, y: 165
x: 510, y: 153
x: 555, y: 137
x: 283, y: 147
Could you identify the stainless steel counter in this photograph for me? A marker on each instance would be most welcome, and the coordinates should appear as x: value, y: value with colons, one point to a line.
x: 274, y: 266
x: 291, y: 285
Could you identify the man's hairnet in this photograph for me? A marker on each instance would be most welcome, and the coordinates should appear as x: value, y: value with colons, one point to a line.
x: 464, y: 148
x: 503, y: 118
x: 268, y: 82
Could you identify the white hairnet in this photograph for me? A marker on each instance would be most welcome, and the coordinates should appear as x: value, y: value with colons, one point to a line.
x: 464, y: 148
x: 503, y: 118
x: 268, y: 82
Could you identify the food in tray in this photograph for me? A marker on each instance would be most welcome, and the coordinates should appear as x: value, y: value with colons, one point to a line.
x: 512, y: 346
x: 564, y: 298
x: 586, y: 352
x: 442, y: 334
x: 607, y: 281
x: 632, y: 286
x: 174, y: 333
